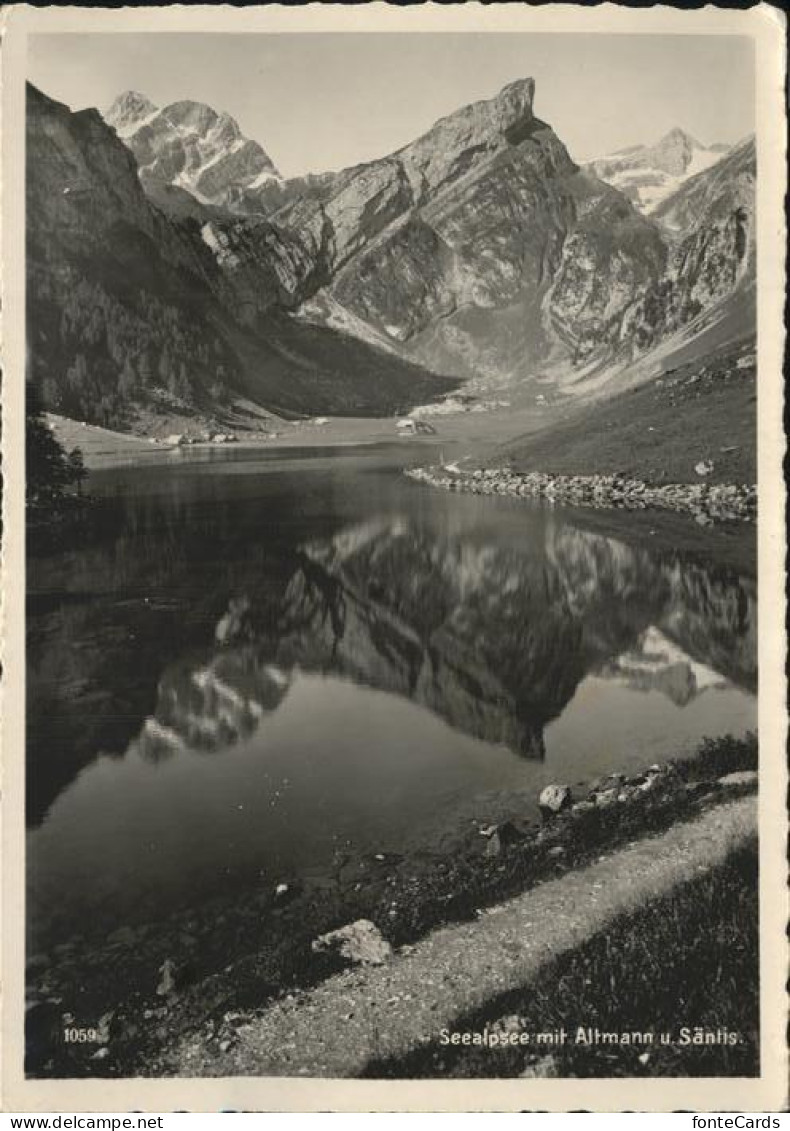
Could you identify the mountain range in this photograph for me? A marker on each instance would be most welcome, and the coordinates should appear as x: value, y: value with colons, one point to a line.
x: 170, y: 264
x: 648, y: 174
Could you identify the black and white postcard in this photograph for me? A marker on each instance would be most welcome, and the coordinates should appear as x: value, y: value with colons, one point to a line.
x: 393, y: 643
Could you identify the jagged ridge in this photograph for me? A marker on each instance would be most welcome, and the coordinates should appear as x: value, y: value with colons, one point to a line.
x: 126, y: 303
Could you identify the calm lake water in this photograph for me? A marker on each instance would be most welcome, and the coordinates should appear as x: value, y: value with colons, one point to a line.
x: 261, y: 658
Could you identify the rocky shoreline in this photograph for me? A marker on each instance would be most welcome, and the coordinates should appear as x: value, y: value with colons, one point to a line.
x: 204, y: 971
x: 707, y: 503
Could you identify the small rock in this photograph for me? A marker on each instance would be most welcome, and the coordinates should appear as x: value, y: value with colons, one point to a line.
x: 494, y: 846
x: 281, y: 890
x: 704, y: 467
x: 606, y: 798
x: 512, y: 1023
x: 231, y: 624
x: 583, y: 807
x: 607, y: 781
x: 167, y: 981
x: 547, y: 1066
x: 104, y: 1027
x: 388, y: 859
x: 510, y: 833
x: 101, y: 1053
x: 741, y: 777
x: 554, y: 799
x: 556, y: 851
x: 360, y: 941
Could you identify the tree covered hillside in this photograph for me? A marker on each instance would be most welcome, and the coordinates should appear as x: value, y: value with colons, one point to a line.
x: 95, y: 356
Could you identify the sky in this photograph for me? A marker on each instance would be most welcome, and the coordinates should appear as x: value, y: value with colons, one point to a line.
x: 319, y: 102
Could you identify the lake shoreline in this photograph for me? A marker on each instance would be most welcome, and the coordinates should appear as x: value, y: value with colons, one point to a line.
x: 706, y: 503
x: 147, y: 989
x: 200, y: 970
x: 399, y: 1014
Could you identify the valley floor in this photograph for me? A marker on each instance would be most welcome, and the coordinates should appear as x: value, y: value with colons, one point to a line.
x: 658, y: 431
x: 103, y: 448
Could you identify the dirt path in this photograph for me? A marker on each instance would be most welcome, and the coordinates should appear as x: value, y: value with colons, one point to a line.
x: 337, y: 1027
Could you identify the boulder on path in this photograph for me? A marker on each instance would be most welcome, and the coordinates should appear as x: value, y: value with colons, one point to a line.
x: 361, y: 942
x: 554, y: 799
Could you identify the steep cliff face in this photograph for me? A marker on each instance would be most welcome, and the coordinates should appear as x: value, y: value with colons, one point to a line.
x: 480, y: 250
x: 445, y: 279
x: 128, y: 306
x: 712, y: 195
x: 190, y: 145
x: 83, y: 187
x: 711, y: 265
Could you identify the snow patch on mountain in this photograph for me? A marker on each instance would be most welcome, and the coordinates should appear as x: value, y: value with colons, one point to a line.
x: 190, y: 145
x: 648, y: 174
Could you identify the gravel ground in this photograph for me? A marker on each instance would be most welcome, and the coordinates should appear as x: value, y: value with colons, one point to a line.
x: 376, y: 1011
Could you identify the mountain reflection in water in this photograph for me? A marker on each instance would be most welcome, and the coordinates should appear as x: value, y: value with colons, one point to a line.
x: 492, y: 640
x: 246, y: 667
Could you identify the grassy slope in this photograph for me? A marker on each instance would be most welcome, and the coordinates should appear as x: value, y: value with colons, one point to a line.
x: 659, y: 430
x: 688, y: 959
x: 292, y: 367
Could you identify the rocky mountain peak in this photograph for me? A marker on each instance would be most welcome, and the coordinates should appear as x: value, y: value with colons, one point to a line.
x: 514, y: 101
x: 190, y: 145
x: 674, y: 152
x: 649, y: 174
x: 486, y: 120
x: 128, y: 111
x: 678, y: 136
x: 196, y: 117
x: 461, y: 140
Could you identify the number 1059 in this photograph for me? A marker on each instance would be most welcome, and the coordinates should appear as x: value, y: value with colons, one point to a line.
x: 74, y: 1036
